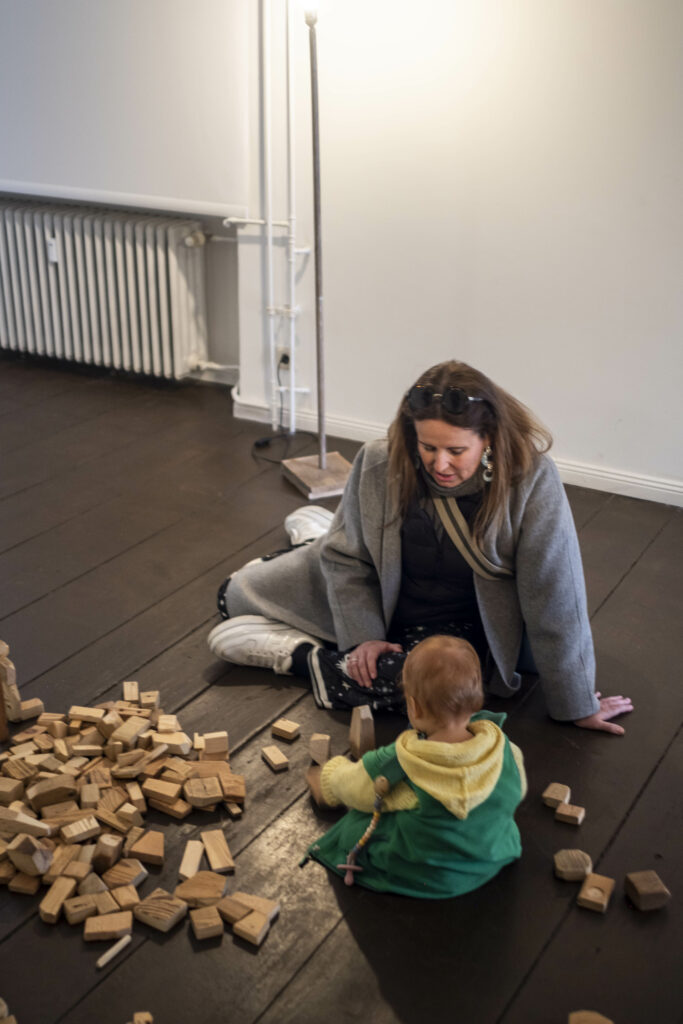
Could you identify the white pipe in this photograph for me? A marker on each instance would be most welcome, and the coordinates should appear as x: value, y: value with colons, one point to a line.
x: 291, y: 235
x: 239, y: 221
x: 267, y: 145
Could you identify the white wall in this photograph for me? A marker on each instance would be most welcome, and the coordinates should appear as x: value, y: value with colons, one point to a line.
x: 501, y: 183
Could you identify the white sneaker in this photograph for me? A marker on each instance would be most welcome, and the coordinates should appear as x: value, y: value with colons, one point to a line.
x: 307, y: 523
x: 255, y: 640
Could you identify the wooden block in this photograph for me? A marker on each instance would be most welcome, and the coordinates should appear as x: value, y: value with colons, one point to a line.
x: 149, y: 699
x: 216, y: 742
x: 129, y: 731
x: 143, y: 1017
x: 361, y: 731
x: 202, y: 890
x: 14, y: 822
x: 57, y: 729
x: 27, y: 885
x: 556, y: 793
x: 107, y: 852
x: 646, y: 890
x: 175, y: 742
x: 111, y: 820
x: 131, y: 691
x: 595, y: 893
x: 588, y: 1017
x: 165, y: 792
x: 136, y: 796
x: 233, y: 809
x: 77, y: 869
x: 319, y: 746
x: 130, y: 814
x: 105, y: 903
x: 207, y: 923
x: 10, y: 790
x: 217, y: 851
x: 91, y: 885
x: 160, y: 910
x: 63, y: 855
x: 7, y: 871
x: 572, y: 865
x: 113, y: 951
x: 77, y: 908
x: 313, y: 780
x: 168, y: 723
x: 275, y: 759
x: 30, y: 709
x: 192, y: 859
x: 51, y: 791
x: 84, y: 714
x: 16, y: 769
x: 570, y: 814
x: 109, y: 724
x: 232, y: 910
x: 234, y: 788
x: 126, y: 896
x: 131, y: 839
x: 149, y: 848
x: 108, y: 926
x: 253, y: 928
x: 203, y: 792
x: 271, y: 908
x: 285, y: 729
x: 178, y: 809
x: 89, y: 796
x: 81, y: 830
x: 51, y: 904
x: 30, y: 855
x: 128, y: 871
x: 129, y: 757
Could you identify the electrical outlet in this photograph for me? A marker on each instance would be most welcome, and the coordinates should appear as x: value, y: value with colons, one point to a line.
x: 281, y: 356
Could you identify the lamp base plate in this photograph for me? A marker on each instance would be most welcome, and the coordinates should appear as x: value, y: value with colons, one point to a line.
x: 315, y: 483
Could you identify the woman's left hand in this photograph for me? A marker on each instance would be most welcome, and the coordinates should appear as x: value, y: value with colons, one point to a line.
x: 610, y: 707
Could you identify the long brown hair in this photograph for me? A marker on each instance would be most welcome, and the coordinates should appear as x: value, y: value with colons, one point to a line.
x: 514, y: 433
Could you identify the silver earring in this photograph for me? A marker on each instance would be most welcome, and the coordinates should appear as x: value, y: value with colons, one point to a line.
x: 487, y: 463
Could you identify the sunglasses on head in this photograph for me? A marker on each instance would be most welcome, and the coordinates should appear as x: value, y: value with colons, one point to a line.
x: 452, y: 399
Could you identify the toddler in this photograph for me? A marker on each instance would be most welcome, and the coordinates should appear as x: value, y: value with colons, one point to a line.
x: 443, y: 795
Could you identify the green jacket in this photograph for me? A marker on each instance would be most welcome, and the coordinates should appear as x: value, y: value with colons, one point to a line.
x: 445, y: 836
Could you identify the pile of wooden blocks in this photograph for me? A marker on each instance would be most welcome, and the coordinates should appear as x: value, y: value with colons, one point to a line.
x: 74, y: 791
x: 645, y: 889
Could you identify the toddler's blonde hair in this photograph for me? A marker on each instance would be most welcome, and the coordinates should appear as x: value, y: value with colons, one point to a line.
x: 443, y: 674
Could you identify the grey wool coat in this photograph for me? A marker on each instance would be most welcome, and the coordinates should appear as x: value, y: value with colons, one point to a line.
x: 344, y: 586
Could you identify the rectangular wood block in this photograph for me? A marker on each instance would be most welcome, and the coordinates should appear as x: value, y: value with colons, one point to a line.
x: 216, y: 742
x: 51, y: 905
x: 166, y: 792
x: 275, y: 759
x: 217, y: 851
x: 232, y: 910
x: 207, y: 923
x: 253, y: 928
x: 84, y: 714
x: 271, y: 908
x: 556, y: 793
x: 77, y: 908
x: 131, y: 691
x: 595, y: 893
x: 108, y: 926
x: 27, y: 885
x: 570, y: 814
x: 105, y: 903
x: 129, y: 731
x: 285, y: 729
x: 126, y: 896
x: 10, y: 790
x: 30, y: 855
x: 646, y: 890
x: 203, y: 792
x: 81, y: 830
x: 192, y: 859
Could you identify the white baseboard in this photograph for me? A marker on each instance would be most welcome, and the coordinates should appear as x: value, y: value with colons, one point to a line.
x: 599, y: 478
x: 633, y: 485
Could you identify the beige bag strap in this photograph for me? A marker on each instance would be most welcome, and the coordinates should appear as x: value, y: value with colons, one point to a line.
x: 455, y: 525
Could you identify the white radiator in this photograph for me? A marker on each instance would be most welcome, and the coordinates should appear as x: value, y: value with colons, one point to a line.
x: 104, y: 287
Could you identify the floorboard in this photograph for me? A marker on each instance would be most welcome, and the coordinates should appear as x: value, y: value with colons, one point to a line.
x: 123, y: 504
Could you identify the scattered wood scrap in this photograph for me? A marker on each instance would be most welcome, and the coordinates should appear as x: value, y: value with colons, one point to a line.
x: 361, y: 731
x: 275, y: 759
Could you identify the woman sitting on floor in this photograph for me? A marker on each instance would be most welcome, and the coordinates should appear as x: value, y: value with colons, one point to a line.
x: 457, y: 524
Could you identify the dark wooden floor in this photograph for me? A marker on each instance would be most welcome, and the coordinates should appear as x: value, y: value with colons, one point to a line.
x: 122, y: 506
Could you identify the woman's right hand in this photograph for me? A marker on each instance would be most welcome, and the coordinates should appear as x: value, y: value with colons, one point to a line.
x: 361, y: 662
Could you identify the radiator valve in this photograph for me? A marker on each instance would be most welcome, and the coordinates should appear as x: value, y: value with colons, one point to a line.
x: 196, y: 240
